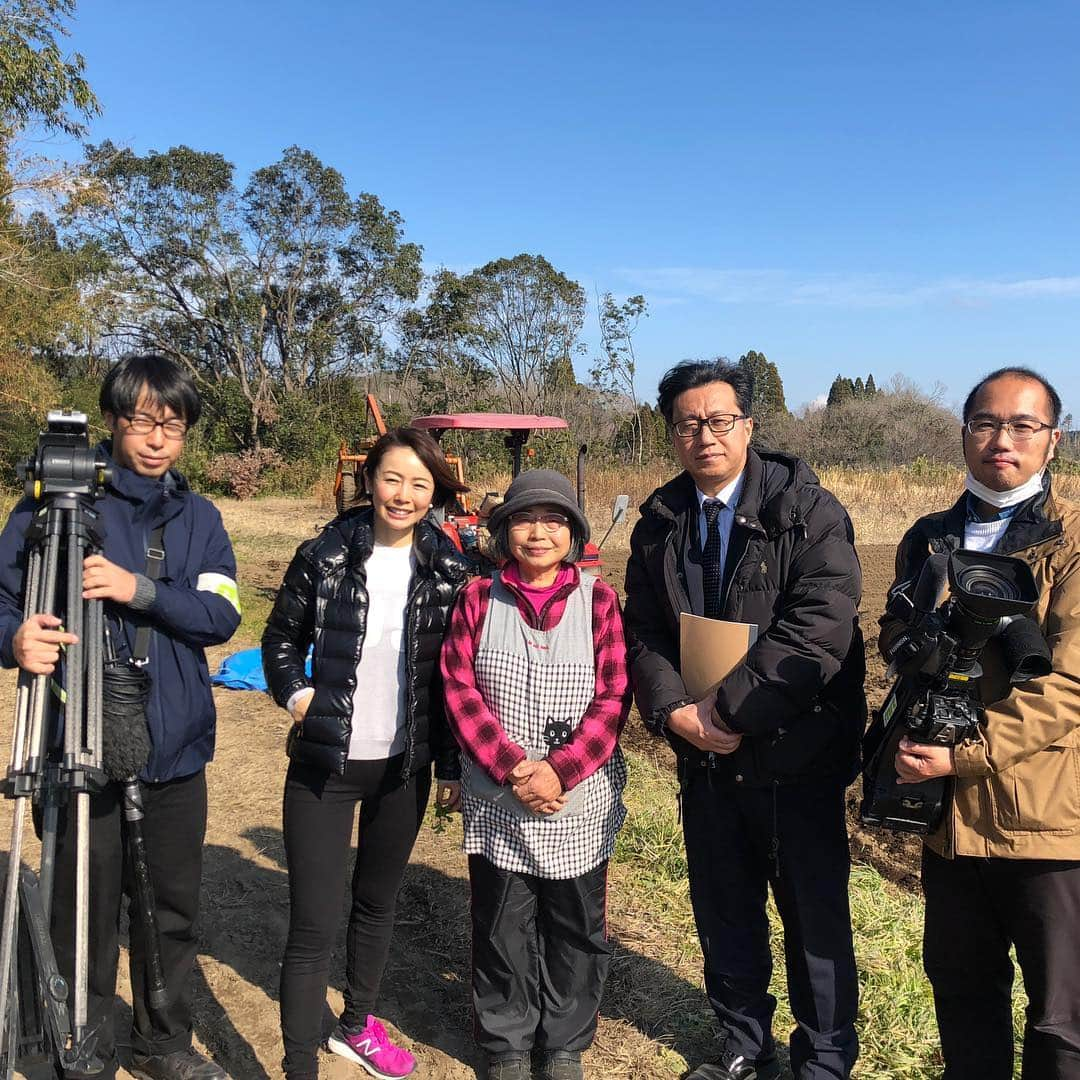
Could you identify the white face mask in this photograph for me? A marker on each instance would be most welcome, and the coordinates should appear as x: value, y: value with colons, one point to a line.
x: 1003, y: 499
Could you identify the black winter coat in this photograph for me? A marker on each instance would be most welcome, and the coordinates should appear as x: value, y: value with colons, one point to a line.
x: 324, y: 600
x: 792, y: 570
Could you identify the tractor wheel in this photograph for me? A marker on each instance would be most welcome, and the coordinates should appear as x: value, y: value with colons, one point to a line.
x: 346, y: 493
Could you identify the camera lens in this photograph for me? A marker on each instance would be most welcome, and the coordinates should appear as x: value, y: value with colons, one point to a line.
x: 985, y: 581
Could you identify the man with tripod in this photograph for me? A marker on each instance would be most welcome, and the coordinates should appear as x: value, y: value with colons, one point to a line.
x: 1003, y: 868
x: 185, y: 600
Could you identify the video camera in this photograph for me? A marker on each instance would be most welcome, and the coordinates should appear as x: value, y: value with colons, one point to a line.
x: 935, y: 699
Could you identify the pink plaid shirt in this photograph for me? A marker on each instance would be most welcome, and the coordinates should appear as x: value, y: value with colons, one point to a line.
x: 479, y: 732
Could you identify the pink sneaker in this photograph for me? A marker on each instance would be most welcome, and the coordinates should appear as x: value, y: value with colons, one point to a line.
x: 372, y: 1049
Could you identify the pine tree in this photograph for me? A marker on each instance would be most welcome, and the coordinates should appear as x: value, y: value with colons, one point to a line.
x: 768, y: 386
x: 841, y: 390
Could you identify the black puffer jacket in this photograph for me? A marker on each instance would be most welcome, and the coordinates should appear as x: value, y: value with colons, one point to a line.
x: 324, y: 599
x: 792, y: 570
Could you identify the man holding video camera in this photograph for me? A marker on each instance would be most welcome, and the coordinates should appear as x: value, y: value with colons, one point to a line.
x: 187, y: 600
x: 1003, y: 868
x: 751, y: 536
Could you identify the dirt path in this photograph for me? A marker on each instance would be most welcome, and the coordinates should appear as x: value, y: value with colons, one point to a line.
x: 425, y: 995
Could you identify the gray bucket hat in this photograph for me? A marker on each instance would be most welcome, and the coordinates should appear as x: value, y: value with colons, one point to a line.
x: 540, y: 487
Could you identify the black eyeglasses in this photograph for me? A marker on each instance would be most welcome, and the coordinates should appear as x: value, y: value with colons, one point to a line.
x: 719, y: 424
x: 143, y: 425
x: 1018, y: 430
x: 550, y: 521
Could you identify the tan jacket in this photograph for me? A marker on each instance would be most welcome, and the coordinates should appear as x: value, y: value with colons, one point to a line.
x: 1017, y: 788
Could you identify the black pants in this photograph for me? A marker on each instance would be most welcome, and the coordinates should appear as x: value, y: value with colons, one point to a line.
x: 975, y: 909
x: 174, y: 828
x: 540, y: 958
x: 729, y: 834
x: 319, y: 813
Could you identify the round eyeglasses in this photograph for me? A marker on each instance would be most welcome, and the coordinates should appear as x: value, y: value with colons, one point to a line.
x: 525, y: 519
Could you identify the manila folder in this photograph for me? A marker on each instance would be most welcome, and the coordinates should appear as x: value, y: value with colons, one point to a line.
x: 710, y: 649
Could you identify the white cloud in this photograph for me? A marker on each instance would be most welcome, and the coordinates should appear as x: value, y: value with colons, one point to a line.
x: 838, y: 290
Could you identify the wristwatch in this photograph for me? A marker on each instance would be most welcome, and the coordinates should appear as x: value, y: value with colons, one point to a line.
x: 657, y: 720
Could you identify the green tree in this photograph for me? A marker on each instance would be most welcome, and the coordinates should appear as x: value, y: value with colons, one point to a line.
x: 768, y: 386
x: 260, y: 292
x: 615, y: 371
x: 858, y: 390
x: 871, y: 387
x: 38, y: 84
x: 435, y: 350
x: 841, y: 390
x: 40, y: 88
x: 519, y: 320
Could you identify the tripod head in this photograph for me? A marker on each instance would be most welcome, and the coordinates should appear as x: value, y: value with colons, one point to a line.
x: 64, y: 463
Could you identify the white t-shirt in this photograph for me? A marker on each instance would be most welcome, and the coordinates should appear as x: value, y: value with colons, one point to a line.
x: 378, y: 719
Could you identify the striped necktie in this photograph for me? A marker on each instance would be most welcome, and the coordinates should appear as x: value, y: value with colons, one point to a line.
x: 712, y: 566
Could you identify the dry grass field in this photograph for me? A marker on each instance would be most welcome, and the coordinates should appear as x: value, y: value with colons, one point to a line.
x: 655, y: 1018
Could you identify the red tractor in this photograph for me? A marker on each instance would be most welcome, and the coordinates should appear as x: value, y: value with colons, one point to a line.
x: 465, y: 522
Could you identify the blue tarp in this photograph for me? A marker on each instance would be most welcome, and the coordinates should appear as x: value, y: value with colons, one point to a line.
x: 243, y: 671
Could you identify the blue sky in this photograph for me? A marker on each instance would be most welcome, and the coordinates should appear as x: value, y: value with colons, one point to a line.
x: 846, y: 187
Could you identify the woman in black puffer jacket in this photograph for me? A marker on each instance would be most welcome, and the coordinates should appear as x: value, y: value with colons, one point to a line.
x: 373, y: 595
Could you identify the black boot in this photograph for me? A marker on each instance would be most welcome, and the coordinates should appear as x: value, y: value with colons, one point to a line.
x: 513, y: 1066
x: 560, y: 1065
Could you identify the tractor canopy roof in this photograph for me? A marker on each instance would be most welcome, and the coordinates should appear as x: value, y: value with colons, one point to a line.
x: 481, y: 421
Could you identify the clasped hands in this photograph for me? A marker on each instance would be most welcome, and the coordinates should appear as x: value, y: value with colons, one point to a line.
x: 537, y: 785
x: 702, y: 726
x: 37, y: 642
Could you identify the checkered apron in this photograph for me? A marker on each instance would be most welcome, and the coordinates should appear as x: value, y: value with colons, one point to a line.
x: 531, y: 679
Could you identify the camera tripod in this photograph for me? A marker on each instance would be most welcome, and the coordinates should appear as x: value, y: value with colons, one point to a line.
x: 56, y: 757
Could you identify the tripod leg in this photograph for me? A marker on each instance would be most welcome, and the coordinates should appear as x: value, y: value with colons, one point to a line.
x: 73, y: 705
x: 51, y: 799
x: 11, y: 916
x: 22, y: 691
x: 95, y: 641
x: 11, y: 1035
x: 37, y: 740
x: 82, y: 915
x: 26, y: 742
x: 18, y: 774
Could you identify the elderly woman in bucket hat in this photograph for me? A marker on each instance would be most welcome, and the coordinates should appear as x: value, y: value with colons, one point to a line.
x: 537, y: 692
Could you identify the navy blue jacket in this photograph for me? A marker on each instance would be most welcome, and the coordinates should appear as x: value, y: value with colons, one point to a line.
x: 185, y: 618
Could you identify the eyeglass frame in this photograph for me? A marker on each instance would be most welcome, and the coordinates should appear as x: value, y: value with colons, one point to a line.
x: 527, y: 518
x: 150, y: 424
x: 703, y: 421
x: 995, y: 425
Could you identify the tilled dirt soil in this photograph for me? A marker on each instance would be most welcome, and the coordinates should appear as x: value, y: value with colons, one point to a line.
x: 245, y: 912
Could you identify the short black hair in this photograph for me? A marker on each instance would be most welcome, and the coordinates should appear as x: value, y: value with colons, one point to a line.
x: 447, y: 485
x: 1019, y: 373
x: 162, y: 380
x: 499, y: 542
x: 691, y: 374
